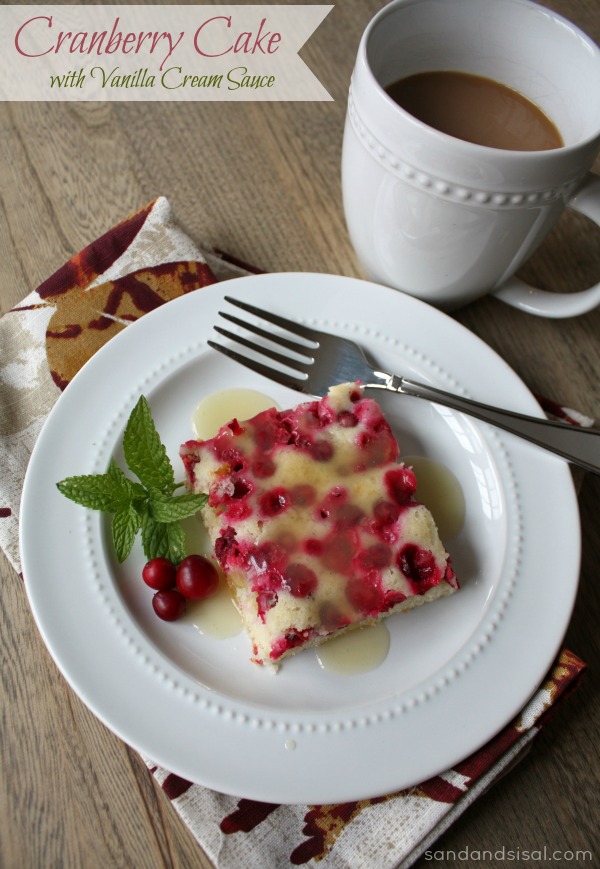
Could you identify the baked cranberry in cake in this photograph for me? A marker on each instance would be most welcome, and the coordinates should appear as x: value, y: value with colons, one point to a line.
x: 314, y: 521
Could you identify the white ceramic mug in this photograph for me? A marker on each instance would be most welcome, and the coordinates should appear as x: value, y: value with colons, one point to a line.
x: 441, y: 218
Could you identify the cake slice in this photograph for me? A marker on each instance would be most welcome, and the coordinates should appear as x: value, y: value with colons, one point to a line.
x: 315, y: 523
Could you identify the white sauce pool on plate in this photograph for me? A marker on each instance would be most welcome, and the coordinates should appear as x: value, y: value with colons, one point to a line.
x: 355, y: 652
x: 216, y: 616
x: 440, y: 491
x: 220, y: 407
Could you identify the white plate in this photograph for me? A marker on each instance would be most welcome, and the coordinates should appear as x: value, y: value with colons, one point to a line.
x: 457, y: 670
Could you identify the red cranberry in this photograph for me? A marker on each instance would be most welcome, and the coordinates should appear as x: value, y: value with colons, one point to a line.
x: 401, y: 484
x: 238, y: 510
x: 392, y: 598
x: 240, y: 488
x: 274, y: 501
x: 313, y: 547
x: 268, y: 556
x: 419, y: 566
x: 302, y: 581
x: 169, y: 604
x: 291, y: 639
x: 197, y: 577
x: 159, y: 574
x: 226, y: 544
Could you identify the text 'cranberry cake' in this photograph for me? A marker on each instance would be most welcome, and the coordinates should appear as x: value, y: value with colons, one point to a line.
x: 315, y: 523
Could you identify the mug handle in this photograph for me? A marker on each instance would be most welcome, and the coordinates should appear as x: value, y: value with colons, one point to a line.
x: 521, y: 295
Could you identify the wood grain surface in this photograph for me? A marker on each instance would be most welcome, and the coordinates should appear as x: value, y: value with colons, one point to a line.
x: 261, y: 181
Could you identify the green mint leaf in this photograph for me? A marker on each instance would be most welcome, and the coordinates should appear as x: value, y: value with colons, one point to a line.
x: 171, y: 509
x: 148, y: 505
x: 145, y: 454
x: 96, y: 491
x: 125, y: 525
x: 162, y: 539
x: 130, y: 489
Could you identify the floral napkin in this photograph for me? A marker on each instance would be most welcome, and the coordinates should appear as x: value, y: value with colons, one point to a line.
x: 138, y: 265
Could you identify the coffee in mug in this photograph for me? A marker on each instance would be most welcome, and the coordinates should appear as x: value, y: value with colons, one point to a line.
x: 476, y: 109
x: 447, y: 219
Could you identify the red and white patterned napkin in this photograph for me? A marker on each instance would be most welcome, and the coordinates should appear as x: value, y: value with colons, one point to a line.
x: 138, y: 265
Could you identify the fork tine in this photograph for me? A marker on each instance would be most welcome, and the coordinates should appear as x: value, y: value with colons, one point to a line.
x: 277, y: 320
x: 259, y: 368
x: 264, y: 351
x: 301, y: 349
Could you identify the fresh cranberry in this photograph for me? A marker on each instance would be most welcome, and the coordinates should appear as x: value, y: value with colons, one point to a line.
x: 197, y: 577
x: 401, y: 484
x: 419, y: 566
x: 169, y: 604
x: 302, y: 581
x: 364, y: 596
x: 274, y: 502
x: 159, y: 574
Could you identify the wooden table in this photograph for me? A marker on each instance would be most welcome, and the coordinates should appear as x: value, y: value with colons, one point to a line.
x: 261, y: 181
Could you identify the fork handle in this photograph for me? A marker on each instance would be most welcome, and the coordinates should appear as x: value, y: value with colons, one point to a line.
x: 581, y: 446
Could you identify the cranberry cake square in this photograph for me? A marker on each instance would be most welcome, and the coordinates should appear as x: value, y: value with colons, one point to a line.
x: 314, y: 521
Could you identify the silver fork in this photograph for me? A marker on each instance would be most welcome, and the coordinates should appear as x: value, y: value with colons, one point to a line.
x: 322, y: 360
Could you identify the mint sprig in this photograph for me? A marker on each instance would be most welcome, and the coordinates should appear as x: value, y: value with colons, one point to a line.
x: 150, y: 505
